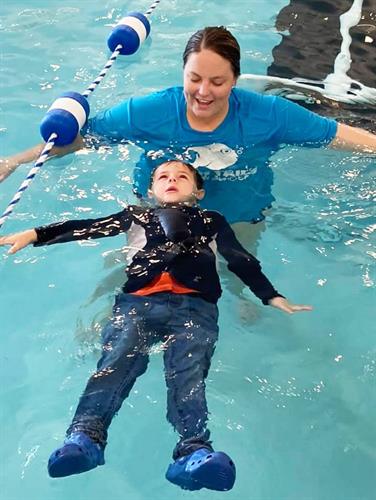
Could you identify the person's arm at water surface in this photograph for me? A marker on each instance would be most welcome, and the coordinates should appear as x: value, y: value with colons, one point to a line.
x: 354, y: 139
x: 297, y: 125
x: 10, y: 164
x: 135, y: 119
x: 248, y: 269
x: 18, y: 241
x: 71, y: 230
x: 106, y: 121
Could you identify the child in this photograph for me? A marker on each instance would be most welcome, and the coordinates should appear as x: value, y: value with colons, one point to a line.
x: 170, y: 296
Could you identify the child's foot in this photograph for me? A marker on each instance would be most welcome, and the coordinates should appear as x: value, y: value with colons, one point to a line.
x: 78, y: 454
x: 203, y: 469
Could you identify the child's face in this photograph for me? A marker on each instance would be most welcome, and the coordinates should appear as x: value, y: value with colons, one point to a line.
x: 173, y: 182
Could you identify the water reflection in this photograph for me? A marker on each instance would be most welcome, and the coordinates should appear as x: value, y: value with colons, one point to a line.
x: 325, y: 59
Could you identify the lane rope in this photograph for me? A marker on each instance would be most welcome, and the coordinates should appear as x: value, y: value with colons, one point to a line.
x: 69, y: 113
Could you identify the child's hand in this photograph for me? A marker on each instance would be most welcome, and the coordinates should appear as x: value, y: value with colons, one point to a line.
x: 19, y: 240
x: 284, y: 305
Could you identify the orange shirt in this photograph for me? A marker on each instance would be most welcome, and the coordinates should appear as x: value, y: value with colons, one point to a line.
x: 164, y: 283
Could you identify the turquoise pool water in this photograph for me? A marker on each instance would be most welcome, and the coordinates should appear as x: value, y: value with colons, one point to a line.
x: 292, y: 399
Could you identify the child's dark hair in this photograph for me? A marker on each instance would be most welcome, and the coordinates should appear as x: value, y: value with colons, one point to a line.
x: 196, y: 174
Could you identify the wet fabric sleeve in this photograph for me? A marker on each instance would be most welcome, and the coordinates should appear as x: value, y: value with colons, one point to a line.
x: 84, y: 229
x: 137, y: 118
x: 112, y: 123
x: 297, y: 125
x: 242, y: 263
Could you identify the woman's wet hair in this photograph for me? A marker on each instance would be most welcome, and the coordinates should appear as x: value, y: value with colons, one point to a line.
x: 199, y: 181
x: 218, y: 39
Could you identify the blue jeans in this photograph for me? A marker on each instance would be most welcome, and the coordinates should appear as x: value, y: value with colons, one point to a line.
x: 187, y: 325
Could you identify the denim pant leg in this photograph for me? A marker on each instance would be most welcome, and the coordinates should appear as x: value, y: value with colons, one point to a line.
x: 124, y: 358
x: 194, y: 332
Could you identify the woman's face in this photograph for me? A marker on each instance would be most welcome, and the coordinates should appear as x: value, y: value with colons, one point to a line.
x: 208, y: 79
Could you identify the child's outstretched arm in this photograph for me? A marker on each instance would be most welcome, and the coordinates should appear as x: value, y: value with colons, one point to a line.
x: 70, y: 230
x: 284, y: 305
x: 19, y: 240
x: 248, y: 269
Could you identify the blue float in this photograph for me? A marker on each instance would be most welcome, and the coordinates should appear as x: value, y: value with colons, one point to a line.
x: 130, y: 32
x: 67, y: 115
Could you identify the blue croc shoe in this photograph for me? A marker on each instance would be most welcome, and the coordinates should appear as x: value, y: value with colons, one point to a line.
x: 78, y: 454
x: 203, y: 468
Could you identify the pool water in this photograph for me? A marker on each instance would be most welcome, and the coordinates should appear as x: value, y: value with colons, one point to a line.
x: 292, y: 398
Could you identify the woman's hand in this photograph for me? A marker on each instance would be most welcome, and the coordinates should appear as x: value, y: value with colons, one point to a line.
x: 19, y: 240
x: 285, y: 306
x: 7, y: 166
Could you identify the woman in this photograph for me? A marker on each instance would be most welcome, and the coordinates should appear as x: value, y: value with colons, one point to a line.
x: 228, y: 133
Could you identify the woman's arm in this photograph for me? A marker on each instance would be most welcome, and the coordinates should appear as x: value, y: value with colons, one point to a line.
x: 354, y: 139
x: 296, y: 125
x: 9, y: 165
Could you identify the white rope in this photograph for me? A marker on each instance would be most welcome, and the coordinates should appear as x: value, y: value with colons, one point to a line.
x: 151, y: 8
x: 104, y: 71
